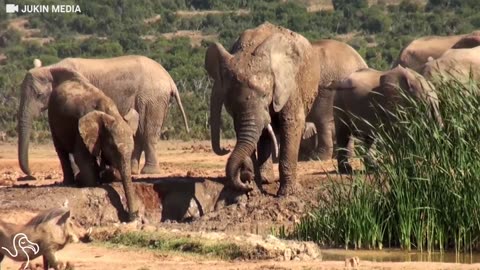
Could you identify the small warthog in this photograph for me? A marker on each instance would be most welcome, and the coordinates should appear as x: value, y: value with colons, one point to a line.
x: 43, y: 235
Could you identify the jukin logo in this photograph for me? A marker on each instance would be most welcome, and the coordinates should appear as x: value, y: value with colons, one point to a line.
x: 20, y: 241
x: 13, y: 8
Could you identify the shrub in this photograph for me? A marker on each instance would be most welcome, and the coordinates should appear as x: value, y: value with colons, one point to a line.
x: 426, y: 190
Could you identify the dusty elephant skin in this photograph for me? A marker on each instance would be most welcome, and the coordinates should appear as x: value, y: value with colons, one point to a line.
x: 337, y: 61
x: 270, y: 77
x: 361, y: 93
x: 418, y: 52
x: 459, y: 64
x: 45, y: 234
x: 132, y: 82
x: 86, y: 123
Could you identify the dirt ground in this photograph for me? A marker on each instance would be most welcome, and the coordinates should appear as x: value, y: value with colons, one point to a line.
x: 194, y: 160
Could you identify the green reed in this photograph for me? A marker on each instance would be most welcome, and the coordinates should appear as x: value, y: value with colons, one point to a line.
x: 425, y: 193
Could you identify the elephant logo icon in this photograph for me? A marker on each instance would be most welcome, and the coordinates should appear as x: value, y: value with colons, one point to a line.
x: 21, y: 243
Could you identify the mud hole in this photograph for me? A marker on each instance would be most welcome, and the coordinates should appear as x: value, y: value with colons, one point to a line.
x: 188, y: 197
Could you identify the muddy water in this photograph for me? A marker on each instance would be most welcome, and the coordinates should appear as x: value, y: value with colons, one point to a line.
x: 393, y: 255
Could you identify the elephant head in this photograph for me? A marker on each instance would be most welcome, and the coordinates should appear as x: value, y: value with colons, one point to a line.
x: 112, y: 138
x: 34, y: 95
x: 253, y: 84
x: 414, y: 85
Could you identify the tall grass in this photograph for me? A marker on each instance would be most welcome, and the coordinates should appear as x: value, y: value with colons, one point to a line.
x: 425, y: 194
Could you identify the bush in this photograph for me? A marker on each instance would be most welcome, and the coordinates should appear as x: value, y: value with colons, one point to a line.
x: 426, y: 191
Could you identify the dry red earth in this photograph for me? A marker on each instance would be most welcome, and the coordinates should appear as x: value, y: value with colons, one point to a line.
x: 185, y: 160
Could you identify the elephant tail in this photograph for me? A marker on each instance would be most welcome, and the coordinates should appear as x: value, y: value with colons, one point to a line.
x: 179, y: 102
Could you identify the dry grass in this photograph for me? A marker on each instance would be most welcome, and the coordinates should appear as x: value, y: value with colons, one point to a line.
x: 196, y: 37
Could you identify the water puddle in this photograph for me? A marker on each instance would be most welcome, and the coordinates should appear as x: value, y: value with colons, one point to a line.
x: 393, y: 255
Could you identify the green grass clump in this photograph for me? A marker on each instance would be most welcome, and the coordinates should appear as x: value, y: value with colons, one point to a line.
x: 425, y: 194
x: 161, y: 242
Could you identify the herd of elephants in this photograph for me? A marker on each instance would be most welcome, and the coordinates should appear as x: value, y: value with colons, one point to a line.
x: 103, y: 113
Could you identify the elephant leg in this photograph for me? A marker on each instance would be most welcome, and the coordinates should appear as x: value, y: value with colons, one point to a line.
x: 87, y: 164
x: 322, y: 113
x: 290, y: 137
x: 154, y: 119
x: 68, y: 174
x: 264, y: 152
x: 343, y: 141
x: 324, y: 141
x: 136, y: 153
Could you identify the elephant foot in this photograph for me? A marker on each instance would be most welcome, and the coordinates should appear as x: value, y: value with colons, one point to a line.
x: 345, y: 168
x: 68, y: 182
x: 150, y: 169
x: 286, y: 190
x: 323, y: 154
x: 135, y: 167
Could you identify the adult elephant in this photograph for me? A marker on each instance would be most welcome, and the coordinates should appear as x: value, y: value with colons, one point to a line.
x: 458, y: 64
x: 357, y: 99
x: 86, y: 123
x: 419, y: 51
x: 337, y: 61
x: 132, y: 82
x: 270, y: 77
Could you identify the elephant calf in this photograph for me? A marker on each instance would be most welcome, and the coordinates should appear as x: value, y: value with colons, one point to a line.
x: 86, y: 123
x: 357, y: 97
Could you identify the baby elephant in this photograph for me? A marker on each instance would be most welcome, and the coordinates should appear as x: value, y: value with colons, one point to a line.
x: 356, y: 96
x: 43, y: 235
x: 86, y: 123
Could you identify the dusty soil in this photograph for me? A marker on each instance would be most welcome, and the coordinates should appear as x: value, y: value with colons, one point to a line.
x: 186, y: 162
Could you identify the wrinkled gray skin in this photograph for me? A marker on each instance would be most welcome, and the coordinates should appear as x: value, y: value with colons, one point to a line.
x: 86, y: 123
x: 357, y: 97
x: 269, y: 77
x: 132, y: 82
x: 337, y: 61
x: 420, y: 50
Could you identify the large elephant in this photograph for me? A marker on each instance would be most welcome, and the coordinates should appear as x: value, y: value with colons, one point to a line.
x: 459, y: 64
x: 357, y: 98
x: 132, y: 82
x: 419, y: 51
x: 86, y: 123
x: 337, y: 61
x: 270, y: 76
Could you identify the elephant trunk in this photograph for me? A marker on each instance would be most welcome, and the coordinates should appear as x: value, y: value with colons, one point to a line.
x: 216, y: 103
x: 24, y: 128
x: 126, y: 175
x: 247, y: 138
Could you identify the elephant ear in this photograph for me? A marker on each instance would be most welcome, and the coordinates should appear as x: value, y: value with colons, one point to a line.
x: 132, y: 118
x: 61, y: 74
x: 216, y: 57
x: 468, y: 42
x: 91, y: 126
x: 284, y: 58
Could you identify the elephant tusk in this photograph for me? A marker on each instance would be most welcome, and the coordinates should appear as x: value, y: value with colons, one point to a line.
x: 274, y: 139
